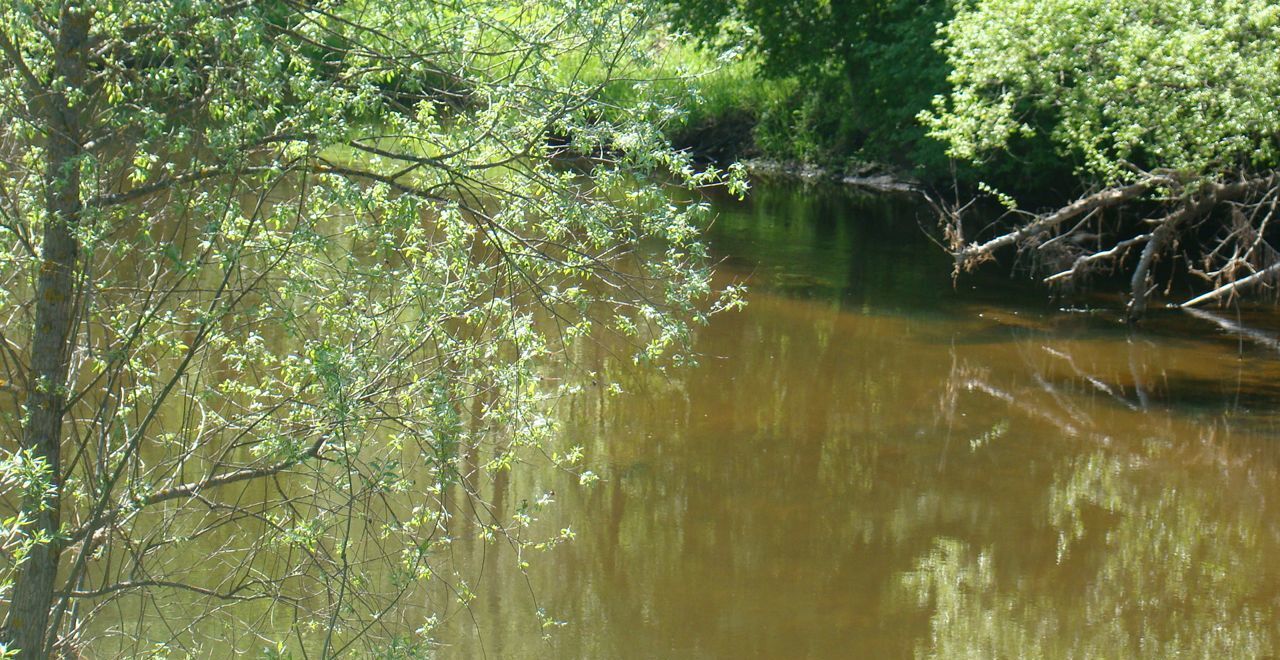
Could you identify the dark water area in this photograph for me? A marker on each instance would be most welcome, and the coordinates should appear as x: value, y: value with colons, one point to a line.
x: 872, y: 460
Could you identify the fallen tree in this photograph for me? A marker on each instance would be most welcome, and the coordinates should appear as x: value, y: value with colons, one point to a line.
x: 1071, y: 243
x: 1166, y: 109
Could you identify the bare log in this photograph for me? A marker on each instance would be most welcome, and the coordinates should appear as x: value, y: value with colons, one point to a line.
x: 1111, y: 197
x: 1140, y: 283
x: 1231, y: 287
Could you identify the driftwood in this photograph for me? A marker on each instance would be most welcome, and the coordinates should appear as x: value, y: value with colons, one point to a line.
x: 1242, y: 256
x: 971, y: 254
x: 1232, y: 287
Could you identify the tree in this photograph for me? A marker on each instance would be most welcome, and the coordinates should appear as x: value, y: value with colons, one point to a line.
x: 1165, y: 107
x: 280, y: 277
x: 868, y: 66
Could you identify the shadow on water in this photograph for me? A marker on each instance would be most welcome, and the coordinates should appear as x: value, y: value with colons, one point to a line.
x: 873, y: 461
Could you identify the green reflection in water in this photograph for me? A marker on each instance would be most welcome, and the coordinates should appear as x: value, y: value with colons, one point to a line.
x: 870, y: 461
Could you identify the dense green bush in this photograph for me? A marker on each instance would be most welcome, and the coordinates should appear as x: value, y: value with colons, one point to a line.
x: 1116, y: 85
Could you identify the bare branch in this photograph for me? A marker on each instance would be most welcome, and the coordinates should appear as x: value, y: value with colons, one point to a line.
x: 969, y: 255
x: 1231, y: 287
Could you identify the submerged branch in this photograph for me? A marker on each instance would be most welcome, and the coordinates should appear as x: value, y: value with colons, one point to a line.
x: 1184, y: 201
x: 1255, y: 336
x: 1082, y: 263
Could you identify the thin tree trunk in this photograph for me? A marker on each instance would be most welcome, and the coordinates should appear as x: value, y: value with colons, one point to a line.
x: 27, y: 626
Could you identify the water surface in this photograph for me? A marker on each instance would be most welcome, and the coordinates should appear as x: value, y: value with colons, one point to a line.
x: 872, y: 461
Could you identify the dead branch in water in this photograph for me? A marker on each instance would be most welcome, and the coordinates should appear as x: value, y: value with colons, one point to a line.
x: 1071, y: 242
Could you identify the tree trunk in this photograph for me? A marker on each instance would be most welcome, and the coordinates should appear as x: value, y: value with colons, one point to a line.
x: 55, y: 296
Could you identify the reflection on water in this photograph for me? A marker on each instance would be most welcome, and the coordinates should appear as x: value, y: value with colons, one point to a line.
x: 871, y: 461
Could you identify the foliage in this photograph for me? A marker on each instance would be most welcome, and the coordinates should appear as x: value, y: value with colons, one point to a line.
x: 1181, y: 85
x: 1167, y: 107
x: 865, y: 68
x: 313, y: 259
x: 708, y: 102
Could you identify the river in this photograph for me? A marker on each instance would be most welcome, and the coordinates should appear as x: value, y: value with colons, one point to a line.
x: 872, y: 461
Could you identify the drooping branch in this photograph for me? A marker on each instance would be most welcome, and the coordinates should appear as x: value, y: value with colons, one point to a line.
x: 235, y: 476
x: 129, y: 585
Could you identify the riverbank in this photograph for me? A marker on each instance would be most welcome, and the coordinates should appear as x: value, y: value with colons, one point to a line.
x: 870, y: 177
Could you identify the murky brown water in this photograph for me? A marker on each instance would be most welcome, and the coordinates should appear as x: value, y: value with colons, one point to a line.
x: 871, y: 463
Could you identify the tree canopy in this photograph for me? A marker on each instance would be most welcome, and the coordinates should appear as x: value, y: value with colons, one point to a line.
x: 1185, y: 86
x: 866, y: 67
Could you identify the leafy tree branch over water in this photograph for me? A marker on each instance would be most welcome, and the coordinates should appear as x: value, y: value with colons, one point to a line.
x: 279, y: 281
